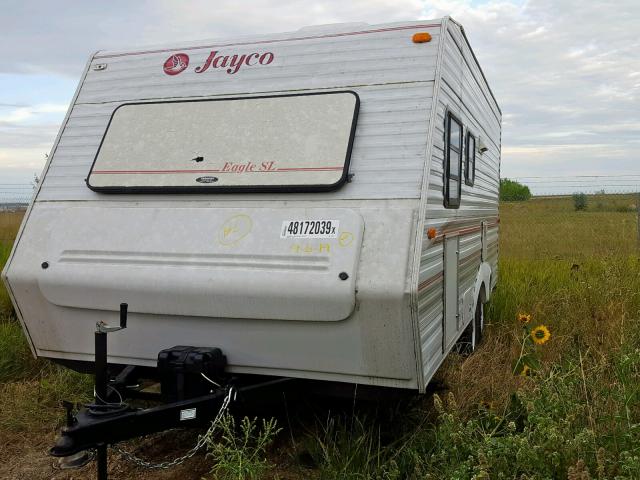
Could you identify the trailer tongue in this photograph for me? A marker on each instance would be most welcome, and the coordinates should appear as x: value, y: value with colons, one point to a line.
x: 196, y: 391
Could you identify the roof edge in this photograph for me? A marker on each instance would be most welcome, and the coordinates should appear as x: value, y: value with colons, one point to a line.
x: 307, y: 32
x: 466, y: 39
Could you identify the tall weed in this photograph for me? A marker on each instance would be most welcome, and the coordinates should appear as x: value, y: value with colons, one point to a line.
x: 347, y: 447
x: 9, y: 224
x: 241, y: 452
x: 16, y: 360
x: 33, y: 404
x: 5, y: 301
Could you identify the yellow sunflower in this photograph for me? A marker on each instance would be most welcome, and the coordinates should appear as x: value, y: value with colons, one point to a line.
x: 540, y: 334
x: 526, y: 371
x: 524, y: 318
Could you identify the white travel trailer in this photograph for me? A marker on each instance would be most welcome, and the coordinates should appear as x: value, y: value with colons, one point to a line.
x: 320, y: 204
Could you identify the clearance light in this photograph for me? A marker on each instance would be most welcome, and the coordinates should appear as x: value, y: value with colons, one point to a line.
x: 431, y: 233
x: 422, y: 37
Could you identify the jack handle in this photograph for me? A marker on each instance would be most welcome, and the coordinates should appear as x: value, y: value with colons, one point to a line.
x: 102, y: 327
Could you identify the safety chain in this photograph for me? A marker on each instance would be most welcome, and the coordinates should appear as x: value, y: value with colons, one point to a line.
x: 202, y: 440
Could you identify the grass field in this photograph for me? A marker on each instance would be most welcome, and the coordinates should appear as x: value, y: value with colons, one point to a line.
x: 567, y: 408
x: 9, y: 224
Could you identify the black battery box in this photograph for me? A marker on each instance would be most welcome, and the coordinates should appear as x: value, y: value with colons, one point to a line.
x: 180, y: 369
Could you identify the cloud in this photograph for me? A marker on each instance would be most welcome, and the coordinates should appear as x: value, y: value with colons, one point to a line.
x: 12, y: 105
x: 22, y: 114
x: 40, y: 36
x: 565, y: 76
x: 26, y: 134
x: 23, y: 158
x: 565, y: 73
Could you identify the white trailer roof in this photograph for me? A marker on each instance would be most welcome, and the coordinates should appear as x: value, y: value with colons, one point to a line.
x: 306, y: 59
x: 392, y: 75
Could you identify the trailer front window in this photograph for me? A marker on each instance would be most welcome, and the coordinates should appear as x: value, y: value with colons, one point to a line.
x: 453, y: 161
x: 284, y: 143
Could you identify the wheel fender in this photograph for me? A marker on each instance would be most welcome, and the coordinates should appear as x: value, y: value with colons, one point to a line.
x: 482, y: 280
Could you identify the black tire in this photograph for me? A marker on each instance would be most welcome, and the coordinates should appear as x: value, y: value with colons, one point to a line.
x: 466, y: 343
x: 472, y: 335
x: 478, y: 321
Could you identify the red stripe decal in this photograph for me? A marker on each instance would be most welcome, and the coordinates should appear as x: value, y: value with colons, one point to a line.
x: 307, y: 169
x: 463, y: 231
x: 261, y: 42
x: 430, y: 281
x: 151, y: 172
x: 470, y: 258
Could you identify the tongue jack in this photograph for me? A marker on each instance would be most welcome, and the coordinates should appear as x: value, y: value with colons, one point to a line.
x: 102, y: 377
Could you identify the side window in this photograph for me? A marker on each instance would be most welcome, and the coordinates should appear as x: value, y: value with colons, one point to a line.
x: 470, y: 160
x: 453, y: 161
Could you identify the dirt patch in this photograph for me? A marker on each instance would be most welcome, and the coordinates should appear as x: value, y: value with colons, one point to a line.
x: 24, y: 457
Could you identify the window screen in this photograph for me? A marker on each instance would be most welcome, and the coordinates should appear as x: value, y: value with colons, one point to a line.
x: 470, y: 160
x: 453, y: 161
x: 275, y: 143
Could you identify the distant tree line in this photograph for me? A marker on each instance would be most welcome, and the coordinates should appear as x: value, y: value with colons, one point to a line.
x: 512, y: 191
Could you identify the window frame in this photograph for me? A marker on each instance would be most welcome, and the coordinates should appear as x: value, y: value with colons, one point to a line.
x: 448, y: 203
x: 205, y: 187
x: 470, y: 174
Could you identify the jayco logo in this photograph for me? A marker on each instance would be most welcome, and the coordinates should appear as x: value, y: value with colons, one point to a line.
x: 176, y: 63
x: 230, y: 63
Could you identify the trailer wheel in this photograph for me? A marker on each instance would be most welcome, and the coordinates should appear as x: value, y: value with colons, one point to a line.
x: 478, y: 322
x: 466, y: 344
x: 472, y: 335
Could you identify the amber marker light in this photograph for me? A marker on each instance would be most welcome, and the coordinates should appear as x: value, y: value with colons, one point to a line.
x: 431, y: 233
x: 422, y: 37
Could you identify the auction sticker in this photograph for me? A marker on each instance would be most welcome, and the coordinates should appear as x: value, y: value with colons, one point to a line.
x: 310, y: 229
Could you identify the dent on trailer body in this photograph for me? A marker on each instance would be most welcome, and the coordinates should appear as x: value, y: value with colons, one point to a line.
x: 287, y: 279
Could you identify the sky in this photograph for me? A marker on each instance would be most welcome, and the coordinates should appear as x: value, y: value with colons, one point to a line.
x: 565, y: 73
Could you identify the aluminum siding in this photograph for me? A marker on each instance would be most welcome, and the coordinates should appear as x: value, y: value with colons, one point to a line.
x: 464, y: 91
